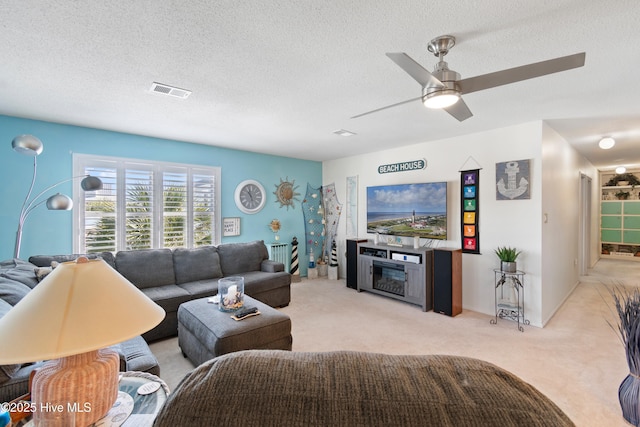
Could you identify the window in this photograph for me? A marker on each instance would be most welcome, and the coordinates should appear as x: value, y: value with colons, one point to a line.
x: 145, y: 204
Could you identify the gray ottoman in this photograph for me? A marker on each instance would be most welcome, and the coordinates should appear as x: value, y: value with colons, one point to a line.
x: 204, y: 332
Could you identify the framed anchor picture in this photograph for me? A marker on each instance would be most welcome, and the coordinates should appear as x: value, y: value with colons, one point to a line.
x: 512, y: 180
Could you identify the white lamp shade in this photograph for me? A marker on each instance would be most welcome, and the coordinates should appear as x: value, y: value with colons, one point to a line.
x: 79, y: 307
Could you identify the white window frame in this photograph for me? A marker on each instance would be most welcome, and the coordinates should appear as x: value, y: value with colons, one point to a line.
x: 81, y: 161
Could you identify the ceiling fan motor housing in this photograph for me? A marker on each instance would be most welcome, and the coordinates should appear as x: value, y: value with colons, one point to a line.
x: 448, y: 77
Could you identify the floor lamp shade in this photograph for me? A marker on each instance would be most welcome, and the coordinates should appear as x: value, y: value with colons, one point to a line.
x: 28, y: 145
x: 77, y: 310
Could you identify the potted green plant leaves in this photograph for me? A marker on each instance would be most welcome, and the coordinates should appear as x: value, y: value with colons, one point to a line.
x: 507, y: 258
x: 629, y: 178
x: 622, y: 195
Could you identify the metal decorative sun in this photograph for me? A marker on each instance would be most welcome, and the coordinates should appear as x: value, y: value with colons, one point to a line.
x: 286, y: 193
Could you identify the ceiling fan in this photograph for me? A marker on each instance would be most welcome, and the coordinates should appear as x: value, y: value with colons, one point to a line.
x: 443, y: 88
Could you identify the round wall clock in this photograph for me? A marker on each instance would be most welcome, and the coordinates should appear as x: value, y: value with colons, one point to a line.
x: 250, y: 197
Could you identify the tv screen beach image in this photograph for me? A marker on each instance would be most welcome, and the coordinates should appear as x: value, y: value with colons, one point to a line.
x: 408, y: 210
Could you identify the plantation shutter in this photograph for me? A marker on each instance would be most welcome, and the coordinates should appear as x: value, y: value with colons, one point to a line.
x: 145, y: 205
x: 204, y: 205
x: 99, y: 213
x: 139, y: 199
x: 174, y: 209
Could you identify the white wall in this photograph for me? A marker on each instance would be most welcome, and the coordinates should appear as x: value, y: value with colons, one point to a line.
x: 562, y: 166
x: 514, y: 223
x: 549, y: 249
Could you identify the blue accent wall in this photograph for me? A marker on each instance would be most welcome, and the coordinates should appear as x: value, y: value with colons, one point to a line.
x: 50, y: 232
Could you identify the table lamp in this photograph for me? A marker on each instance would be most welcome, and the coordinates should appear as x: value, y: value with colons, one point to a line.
x: 68, y: 319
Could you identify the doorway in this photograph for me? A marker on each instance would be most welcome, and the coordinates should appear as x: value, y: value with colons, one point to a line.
x: 584, y: 219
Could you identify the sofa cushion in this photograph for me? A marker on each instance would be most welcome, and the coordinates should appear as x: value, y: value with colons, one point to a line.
x: 20, y: 271
x: 196, y: 264
x: 12, y: 291
x: 169, y: 297
x: 135, y: 355
x: 147, y: 268
x: 355, y: 389
x: 237, y: 258
x: 201, y: 288
x: 45, y: 260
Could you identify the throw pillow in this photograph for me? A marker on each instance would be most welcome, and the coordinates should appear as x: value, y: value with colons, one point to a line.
x: 12, y: 291
x: 20, y: 271
x: 42, y: 272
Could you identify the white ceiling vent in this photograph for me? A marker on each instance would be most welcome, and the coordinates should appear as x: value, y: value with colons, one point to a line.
x: 169, y: 90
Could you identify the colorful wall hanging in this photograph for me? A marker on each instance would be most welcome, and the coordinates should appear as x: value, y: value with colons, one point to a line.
x: 470, y: 203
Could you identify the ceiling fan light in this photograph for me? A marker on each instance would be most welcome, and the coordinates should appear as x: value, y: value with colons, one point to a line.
x: 621, y: 170
x: 606, y: 143
x: 442, y: 99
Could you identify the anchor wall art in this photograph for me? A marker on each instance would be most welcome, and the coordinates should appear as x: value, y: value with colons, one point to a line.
x: 512, y: 180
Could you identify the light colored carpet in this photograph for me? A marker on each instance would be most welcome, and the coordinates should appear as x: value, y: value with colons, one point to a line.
x: 577, y: 360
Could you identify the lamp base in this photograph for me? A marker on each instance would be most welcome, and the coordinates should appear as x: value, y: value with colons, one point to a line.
x: 84, y: 386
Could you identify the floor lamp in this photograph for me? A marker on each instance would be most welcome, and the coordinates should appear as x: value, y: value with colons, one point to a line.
x: 29, y: 145
x: 68, y: 319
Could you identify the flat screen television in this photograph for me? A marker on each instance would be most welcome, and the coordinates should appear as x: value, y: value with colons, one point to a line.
x: 408, y: 210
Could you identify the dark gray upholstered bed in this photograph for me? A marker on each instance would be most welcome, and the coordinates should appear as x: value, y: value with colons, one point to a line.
x: 281, y: 388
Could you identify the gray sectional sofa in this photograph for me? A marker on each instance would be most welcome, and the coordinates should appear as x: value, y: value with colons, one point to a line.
x: 171, y: 277
x: 167, y: 277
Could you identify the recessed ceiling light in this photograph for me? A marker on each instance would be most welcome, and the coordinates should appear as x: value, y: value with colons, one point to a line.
x: 621, y: 169
x: 343, y: 132
x: 606, y: 143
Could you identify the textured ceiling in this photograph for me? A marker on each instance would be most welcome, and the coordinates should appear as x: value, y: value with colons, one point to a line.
x: 280, y: 76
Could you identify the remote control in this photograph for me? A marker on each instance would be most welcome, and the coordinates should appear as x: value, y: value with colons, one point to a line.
x: 245, y: 312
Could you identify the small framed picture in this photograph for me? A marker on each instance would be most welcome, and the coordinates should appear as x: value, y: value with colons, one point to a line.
x: 231, y: 226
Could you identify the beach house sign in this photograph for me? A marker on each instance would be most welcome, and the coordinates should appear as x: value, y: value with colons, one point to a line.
x: 403, y: 166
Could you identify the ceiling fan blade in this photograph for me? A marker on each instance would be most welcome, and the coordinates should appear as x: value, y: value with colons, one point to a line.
x: 388, y: 106
x: 459, y: 110
x: 414, y: 69
x: 512, y: 75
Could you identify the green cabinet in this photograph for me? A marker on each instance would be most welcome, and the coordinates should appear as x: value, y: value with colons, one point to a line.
x: 620, y: 227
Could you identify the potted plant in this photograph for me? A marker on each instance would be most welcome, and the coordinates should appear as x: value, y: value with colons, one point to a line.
x: 627, y: 177
x: 507, y: 258
x: 628, y: 309
x: 622, y: 195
